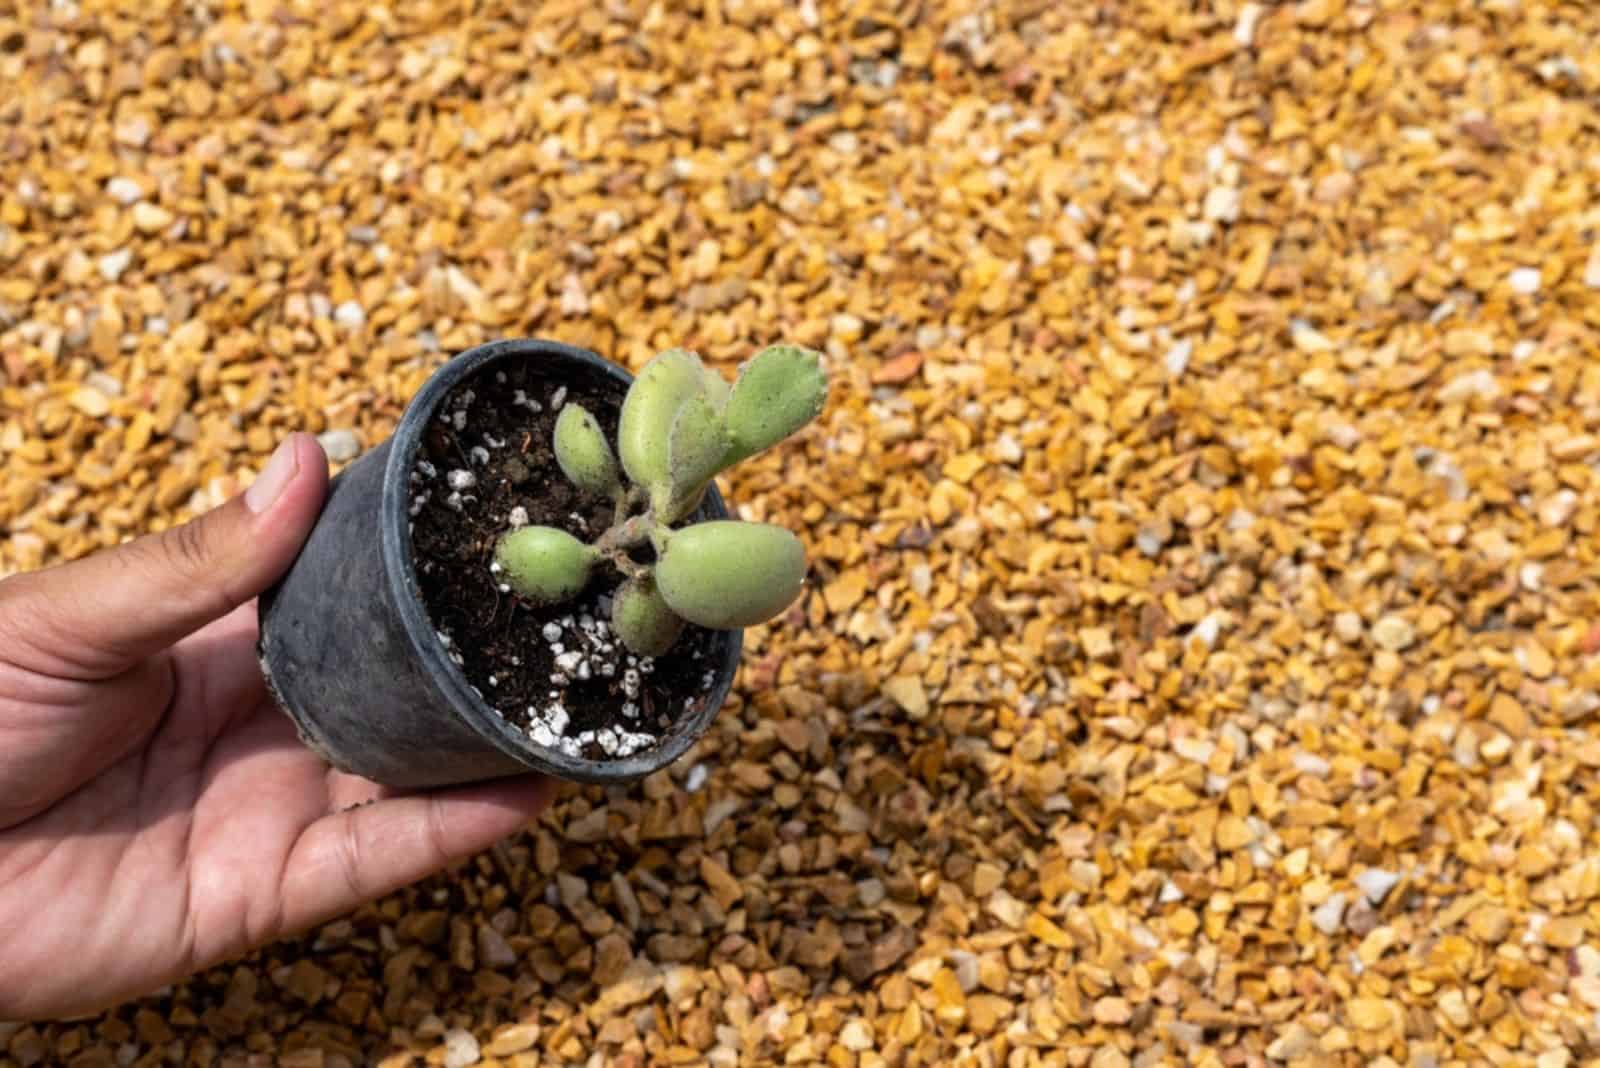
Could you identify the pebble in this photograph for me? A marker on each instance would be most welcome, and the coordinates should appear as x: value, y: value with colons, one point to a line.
x: 124, y: 191
x: 1311, y: 764
x: 1113, y: 1011
x: 91, y: 402
x: 1393, y: 633
x: 112, y: 264
x: 1348, y: 627
x: 1587, y: 989
x: 1007, y: 909
x: 513, y: 1039
x: 493, y: 949
x: 1525, y: 281
x: 1453, y: 1007
x: 149, y: 218
x: 1375, y: 884
x: 460, y: 1049
x: 1177, y: 358
x: 341, y: 445
x: 133, y: 131
x: 1328, y: 917
x: 856, y: 1035
x: 1208, y: 630
x: 1371, y: 1014
x: 1222, y: 204
x: 1474, y: 384
x: 1244, y: 27
x: 1559, y: 508
x: 350, y: 315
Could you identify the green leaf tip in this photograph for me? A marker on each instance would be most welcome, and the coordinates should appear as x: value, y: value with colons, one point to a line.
x: 727, y: 574
x: 779, y: 390
x: 544, y: 564
x: 644, y: 621
x: 583, y: 453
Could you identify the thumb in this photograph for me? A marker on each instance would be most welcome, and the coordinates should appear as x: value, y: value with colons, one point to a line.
x: 94, y: 618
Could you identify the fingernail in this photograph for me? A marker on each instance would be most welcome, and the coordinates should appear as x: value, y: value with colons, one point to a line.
x: 274, y: 478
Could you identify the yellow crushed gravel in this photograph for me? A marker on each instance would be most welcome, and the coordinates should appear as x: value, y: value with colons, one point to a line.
x: 1201, y: 662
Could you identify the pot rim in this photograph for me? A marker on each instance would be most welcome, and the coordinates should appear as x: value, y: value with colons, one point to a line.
x: 400, y: 573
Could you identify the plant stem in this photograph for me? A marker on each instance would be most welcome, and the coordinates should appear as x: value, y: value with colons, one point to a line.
x: 627, y: 565
x: 627, y: 498
x: 626, y: 535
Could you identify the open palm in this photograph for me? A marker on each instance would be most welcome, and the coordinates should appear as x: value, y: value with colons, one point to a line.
x: 157, y: 813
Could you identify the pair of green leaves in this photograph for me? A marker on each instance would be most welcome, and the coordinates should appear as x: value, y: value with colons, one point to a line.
x: 547, y: 566
x: 682, y: 424
x: 723, y: 575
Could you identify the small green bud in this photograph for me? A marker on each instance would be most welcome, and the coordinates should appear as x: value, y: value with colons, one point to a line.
x: 726, y: 574
x: 644, y: 622
x: 695, y: 452
x: 780, y: 390
x: 544, y: 564
x: 643, y: 428
x: 583, y: 453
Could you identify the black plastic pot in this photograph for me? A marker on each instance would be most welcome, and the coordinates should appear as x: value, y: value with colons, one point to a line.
x: 350, y: 655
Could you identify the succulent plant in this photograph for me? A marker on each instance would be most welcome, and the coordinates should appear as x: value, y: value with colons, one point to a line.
x: 681, y: 425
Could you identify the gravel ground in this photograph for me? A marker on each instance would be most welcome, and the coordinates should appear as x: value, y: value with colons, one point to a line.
x: 1201, y: 660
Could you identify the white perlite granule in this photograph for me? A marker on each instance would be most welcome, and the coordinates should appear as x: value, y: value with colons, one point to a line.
x: 582, y: 646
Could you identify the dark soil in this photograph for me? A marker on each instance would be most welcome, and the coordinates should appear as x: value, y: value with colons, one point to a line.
x: 502, y: 643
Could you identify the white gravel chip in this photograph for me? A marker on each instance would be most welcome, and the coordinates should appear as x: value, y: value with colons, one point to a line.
x: 1375, y: 884
x: 350, y: 315
x: 460, y: 1049
x: 1525, y: 281
x: 341, y: 445
x: 1329, y: 915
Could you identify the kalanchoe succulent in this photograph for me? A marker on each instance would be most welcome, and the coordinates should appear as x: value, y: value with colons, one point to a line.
x: 681, y: 425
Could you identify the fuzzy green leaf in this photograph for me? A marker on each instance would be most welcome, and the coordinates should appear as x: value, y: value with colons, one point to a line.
x: 716, y: 390
x: 643, y: 428
x: 642, y: 619
x: 727, y: 574
x: 695, y: 453
x: 583, y: 452
x: 779, y: 390
x: 544, y: 564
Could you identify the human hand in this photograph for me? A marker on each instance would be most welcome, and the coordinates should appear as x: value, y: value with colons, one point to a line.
x: 158, y: 813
